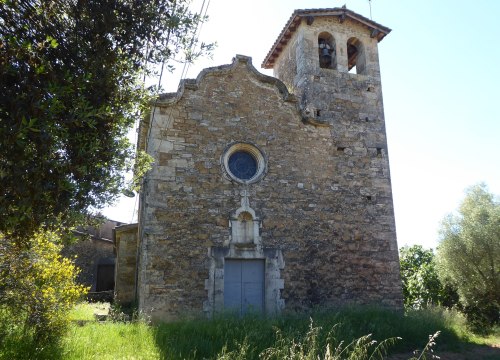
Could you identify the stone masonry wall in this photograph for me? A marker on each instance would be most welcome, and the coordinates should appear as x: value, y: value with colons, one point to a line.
x: 351, y: 106
x: 126, y: 261
x: 286, y: 71
x: 325, y: 201
x: 89, y: 253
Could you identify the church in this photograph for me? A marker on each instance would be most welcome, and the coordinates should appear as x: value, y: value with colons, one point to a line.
x: 268, y: 193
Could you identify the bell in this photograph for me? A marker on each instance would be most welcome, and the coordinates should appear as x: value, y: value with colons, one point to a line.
x: 325, y: 56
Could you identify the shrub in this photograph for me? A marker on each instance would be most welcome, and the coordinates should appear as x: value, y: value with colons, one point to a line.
x: 38, y: 287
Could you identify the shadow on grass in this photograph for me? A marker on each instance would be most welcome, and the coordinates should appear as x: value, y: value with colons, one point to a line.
x: 19, y: 346
x: 206, y: 338
x: 203, y: 338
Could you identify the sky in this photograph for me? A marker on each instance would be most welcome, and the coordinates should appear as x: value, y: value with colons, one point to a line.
x: 440, y: 69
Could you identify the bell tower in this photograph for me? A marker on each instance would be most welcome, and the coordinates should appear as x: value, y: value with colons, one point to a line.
x: 329, y: 59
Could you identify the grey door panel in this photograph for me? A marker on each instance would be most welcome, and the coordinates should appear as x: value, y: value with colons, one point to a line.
x: 244, y: 285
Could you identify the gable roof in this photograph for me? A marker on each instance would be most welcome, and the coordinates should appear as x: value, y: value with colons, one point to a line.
x: 168, y: 99
x: 377, y: 31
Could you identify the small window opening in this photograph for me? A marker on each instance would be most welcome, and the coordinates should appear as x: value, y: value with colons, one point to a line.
x: 355, y: 56
x: 340, y: 148
x: 326, y: 51
x: 318, y: 113
x: 379, y: 151
x: 369, y: 198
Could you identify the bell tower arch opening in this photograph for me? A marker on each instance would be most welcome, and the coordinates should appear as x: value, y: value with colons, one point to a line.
x: 326, y: 51
x: 356, y: 59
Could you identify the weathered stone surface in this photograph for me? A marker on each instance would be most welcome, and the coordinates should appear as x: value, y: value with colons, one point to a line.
x: 88, y: 254
x: 94, y: 249
x: 323, y: 215
x: 125, y: 239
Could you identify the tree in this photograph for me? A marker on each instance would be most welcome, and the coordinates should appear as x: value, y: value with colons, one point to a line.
x: 70, y: 89
x: 421, y: 283
x: 469, y: 255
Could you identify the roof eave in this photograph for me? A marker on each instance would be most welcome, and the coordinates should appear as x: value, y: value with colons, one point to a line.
x: 377, y: 30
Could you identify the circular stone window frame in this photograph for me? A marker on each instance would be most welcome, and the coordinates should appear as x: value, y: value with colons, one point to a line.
x: 254, y: 151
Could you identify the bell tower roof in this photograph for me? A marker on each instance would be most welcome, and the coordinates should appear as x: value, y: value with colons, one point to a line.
x: 376, y: 30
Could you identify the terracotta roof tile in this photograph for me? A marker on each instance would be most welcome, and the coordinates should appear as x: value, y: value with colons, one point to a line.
x: 379, y: 31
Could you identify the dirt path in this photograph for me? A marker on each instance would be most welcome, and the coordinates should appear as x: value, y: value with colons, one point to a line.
x: 474, y: 352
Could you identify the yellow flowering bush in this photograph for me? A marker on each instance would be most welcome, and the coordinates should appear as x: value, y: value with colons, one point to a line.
x: 39, y: 285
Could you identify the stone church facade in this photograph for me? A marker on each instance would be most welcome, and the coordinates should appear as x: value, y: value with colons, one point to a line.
x: 269, y: 193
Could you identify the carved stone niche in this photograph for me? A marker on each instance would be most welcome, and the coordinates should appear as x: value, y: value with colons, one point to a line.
x: 244, y: 243
x: 245, y: 227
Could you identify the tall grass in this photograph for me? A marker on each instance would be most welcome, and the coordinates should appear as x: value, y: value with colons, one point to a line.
x: 109, y: 341
x: 349, y: 333
x: 208, y: 337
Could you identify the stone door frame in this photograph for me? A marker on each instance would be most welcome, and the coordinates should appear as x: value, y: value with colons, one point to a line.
x: 273, y: 283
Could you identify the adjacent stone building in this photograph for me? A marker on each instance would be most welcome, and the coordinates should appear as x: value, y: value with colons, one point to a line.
x: 270, y: 192
x: 94, y: 254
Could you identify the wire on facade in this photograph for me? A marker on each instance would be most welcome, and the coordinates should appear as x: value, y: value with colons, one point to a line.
x: 194, y: 40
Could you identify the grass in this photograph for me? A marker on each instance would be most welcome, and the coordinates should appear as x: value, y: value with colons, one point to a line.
x: 292, y: 336
x: 86, y: 311
x: 492, y: 339
x: 110, y: 341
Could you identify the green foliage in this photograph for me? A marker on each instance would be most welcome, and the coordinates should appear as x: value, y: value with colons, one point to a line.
x: 254, y: 337
x: 469, y: 255
x: 70, y: 89
x: 37, y: 288
x: 362, y: 348
x: 421, y: 284
x: 111, y: 340
x: 293, y: 332
x: 142, y: 164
